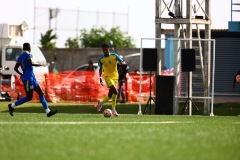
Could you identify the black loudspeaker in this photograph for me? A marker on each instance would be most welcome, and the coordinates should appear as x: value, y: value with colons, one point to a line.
x: 188, y: 60
x: 164, y: 95
x: 149, y: 59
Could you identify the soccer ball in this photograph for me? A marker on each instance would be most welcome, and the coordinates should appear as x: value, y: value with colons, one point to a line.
x: 107, y: 113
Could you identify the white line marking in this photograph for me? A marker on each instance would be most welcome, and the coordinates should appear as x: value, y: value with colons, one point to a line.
x: 164, y: 122
x: 236, y: 122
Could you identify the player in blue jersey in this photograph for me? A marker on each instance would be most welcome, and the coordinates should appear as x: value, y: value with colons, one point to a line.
x: 28, y: 78
x: 108, y: 65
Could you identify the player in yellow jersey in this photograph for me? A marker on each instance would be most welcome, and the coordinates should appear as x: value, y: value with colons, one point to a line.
x: 108, y: 64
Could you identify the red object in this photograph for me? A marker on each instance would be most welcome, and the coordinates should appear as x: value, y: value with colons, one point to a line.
x: 83, y: 86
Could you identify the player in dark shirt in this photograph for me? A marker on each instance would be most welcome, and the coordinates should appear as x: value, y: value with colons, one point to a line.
x: 122, y: 72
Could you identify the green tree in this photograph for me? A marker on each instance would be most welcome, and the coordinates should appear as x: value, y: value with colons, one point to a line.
x: 95, y: 37
x: 46, y: 40
x: 72, y: 43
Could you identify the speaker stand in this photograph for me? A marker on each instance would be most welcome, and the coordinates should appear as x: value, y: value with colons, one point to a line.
x: 150, y: 97
x: 186, y: 104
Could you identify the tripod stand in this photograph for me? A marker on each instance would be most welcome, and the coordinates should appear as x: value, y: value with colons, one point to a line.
x: 150, y: 96
x: 186, y: 104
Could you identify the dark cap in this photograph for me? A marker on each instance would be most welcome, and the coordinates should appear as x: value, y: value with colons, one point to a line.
x: 26, y: 47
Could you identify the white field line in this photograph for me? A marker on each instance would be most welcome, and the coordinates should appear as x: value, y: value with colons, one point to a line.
x: 236, y: 122
x: 164, y: 122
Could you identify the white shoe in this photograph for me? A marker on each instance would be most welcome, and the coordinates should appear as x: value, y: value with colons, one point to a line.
x: 114, y: 112
x: 99, y: 106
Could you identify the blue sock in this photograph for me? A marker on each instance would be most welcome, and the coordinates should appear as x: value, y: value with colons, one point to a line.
x: 44, y: 102
x: 21, y: 101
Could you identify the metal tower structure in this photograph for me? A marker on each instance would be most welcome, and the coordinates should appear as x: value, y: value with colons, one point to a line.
x: 186, y: 16
x: 234, y: 24
x: 233, y: 5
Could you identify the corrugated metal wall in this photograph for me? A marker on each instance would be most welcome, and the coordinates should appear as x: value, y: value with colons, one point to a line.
x: 227, y: 63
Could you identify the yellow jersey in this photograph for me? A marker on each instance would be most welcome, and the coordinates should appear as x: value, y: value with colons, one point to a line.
x: 109, y: 65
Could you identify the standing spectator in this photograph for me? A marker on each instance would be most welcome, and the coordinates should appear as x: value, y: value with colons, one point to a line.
x: 90, y: 66
x: 236, y: 79
x: 122, y: 71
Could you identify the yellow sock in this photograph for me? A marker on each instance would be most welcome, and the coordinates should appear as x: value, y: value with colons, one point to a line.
x: 114, y: 99
x: 105, y: 100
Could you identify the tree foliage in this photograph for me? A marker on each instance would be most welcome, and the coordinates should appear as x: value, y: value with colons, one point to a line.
x: 72, y: 43
x: 95, y: 37
x: 47, y: 38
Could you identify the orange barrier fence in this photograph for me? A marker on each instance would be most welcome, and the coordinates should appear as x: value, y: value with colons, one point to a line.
x: 82, y: 86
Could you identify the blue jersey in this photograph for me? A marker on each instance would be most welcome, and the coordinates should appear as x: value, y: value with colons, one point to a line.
x: 26, y: 66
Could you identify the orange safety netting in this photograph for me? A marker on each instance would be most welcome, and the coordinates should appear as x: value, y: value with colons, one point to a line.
x: 82, y: 86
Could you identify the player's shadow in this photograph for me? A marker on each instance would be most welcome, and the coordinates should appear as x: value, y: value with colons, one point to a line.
x: 76, y: 109
x: 62, y: 109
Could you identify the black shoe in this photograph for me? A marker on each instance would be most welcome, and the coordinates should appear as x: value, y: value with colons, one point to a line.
x: 122, y: 101
x: 52, y: 112
x: 10, y: 109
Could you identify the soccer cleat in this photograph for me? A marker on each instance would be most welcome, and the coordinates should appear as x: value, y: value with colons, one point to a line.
x: 114, y: 112
x: 98, y: 107
x: 10, y: 109
x: 52, y: 112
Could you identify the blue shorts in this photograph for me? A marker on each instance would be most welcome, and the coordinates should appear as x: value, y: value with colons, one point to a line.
x: 30, y: 85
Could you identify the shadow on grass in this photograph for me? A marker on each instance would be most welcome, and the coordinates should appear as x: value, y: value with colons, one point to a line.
x: 76, y: 109
x: 223, y: 109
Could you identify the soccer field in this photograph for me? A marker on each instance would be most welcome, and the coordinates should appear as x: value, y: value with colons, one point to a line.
x: 29, y: 135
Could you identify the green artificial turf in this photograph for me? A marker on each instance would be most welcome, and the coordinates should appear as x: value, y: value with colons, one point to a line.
x: 77, y: 132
